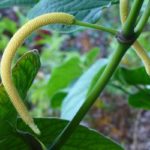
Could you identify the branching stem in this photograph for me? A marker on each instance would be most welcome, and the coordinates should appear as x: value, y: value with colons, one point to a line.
x: 137, y: 46
x: 95, y: 26
x: 104, y: 78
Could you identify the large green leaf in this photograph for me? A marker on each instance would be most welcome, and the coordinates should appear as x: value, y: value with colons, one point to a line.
x: 10, y: 3
x: 83, y: 137
x: 23, y: 74
x: 140, y: 100
x: 64, y: 74
x: 80, y: 90
x: 85, y: 10
x: 134, y: 76
x: 5, y: 129
x: 13, y: 142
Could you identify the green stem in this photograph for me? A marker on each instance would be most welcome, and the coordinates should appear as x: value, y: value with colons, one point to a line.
x: 95, y: 26
x: 128, y: 28
x: 101, y: 83
x: 143, y: 19
x: 111, y: 67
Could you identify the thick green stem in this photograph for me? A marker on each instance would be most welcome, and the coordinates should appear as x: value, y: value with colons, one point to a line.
x: 112, y: 65
x: 143, y: 19
x: 128, y: 28
x: 95, y: 26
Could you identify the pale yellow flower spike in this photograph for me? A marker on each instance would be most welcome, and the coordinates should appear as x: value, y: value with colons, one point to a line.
x: 124, y: 9
x: 9, y: 53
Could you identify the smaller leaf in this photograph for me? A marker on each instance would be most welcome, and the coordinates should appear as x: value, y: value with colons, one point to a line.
x: 140, y: 100
x: 23, y: 74
x: 25, y: 71
x: 64, y: 74
x: 134, y: 76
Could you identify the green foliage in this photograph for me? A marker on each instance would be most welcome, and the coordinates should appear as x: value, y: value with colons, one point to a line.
x: 72, y: 79
x: 134, y: 76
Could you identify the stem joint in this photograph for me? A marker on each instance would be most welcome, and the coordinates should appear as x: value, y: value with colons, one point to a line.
x: 123, y: 39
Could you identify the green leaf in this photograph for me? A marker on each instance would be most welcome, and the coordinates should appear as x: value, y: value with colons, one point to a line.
x: 64, y: 74
x: 83, y: 137
x: 84, y: 10
x: 140, y: 100
x: 134, y: 76
x: 78, y: 94
x: 23, y: 74
x: 10, y: 3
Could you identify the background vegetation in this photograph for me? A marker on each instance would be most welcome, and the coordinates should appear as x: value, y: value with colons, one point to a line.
x: 70, y: 63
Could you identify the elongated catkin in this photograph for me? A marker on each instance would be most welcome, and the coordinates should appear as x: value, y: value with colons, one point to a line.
x: 9, y: 53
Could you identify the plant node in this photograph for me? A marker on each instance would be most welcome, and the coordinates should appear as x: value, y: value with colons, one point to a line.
x: 121, y: 38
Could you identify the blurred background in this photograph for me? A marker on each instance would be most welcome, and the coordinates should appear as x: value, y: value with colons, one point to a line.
x: 73, y: 53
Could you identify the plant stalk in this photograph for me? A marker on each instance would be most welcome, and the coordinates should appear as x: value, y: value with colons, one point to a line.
x: 128, y: 28
x: 109, y: 70
x: 95, y: 26
x: 143, y: 19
